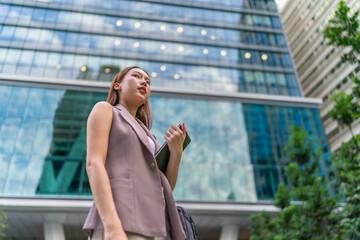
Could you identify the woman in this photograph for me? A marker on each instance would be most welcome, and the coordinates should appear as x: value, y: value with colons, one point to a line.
x: 132, y: 197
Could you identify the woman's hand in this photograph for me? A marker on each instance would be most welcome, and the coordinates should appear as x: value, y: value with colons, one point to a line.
x: 115, y: 232
x: 175, y: 138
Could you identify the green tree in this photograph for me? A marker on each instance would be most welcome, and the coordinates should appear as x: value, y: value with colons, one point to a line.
x: 315, y: 215
x: 318, y: 216
x: 2, y: 223
x: 343, y: 31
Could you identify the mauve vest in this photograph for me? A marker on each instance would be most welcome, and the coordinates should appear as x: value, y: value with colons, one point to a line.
x: 136, y: 182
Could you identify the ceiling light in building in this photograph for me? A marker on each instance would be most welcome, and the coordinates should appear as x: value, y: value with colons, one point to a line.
x: 163, y: 68
x: 136, y: 44
x: 264, y: 57
x: 119, y: 23
x: 83, y: 68
x: 212, y: 37
x: 107, y: 70
x: 247, y: 55
x: 58, y: 67
x: 223, y: 53
x: 203, y: 32
x: 163, y: 47
x: 176, y: 76
x: 153, y: 74
x: 162, y: 27
x: 117, y: 42
x: 205, y: 51
x: 180, y: 29
x: 181, y: 48
x: 137, y: 25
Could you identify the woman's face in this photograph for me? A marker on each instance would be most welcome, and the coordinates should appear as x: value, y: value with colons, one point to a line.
x: 134, y: 88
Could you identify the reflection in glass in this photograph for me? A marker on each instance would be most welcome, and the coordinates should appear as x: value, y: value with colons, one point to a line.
x: 238, y: 146
x: 99, y: 23
x: 67, y: 66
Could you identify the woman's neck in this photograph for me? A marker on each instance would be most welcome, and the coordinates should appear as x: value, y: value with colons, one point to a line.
x: 131, y: 109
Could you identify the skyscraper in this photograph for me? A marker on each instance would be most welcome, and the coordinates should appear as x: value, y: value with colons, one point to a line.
x: 222, y: 67
x: 321, y: 72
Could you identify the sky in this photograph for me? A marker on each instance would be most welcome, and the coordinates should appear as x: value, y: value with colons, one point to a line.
x: 280, y: 3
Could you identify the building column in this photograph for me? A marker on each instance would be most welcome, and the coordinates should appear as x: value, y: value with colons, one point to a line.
x: 54, y: 231
x: 230, y: 232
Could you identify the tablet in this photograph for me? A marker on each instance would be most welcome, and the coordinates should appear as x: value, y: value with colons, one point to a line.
x: 162, y: 156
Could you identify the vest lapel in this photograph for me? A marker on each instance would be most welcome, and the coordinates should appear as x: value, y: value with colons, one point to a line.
x: 135, y: 126
x: 157, y: 145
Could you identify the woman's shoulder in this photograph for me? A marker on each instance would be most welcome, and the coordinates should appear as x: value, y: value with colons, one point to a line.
x: 102, y: 109
x: 102, y: 106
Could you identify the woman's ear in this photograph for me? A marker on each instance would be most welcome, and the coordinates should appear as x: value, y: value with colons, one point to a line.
x: 117, y: 86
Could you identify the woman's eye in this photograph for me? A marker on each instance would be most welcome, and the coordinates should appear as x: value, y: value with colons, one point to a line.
x: 148, y: 82
x: 137, y: 76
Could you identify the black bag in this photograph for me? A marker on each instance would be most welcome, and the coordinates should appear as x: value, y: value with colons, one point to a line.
x: 187, y: 223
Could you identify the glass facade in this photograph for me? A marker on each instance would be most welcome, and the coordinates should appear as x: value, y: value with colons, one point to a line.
x: 56, y: 41
x: 147, y: 9
x: 218, y: 47
x: 52, y: 39
x: 236, y: 152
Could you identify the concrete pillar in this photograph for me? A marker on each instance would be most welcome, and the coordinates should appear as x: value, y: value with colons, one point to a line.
x: 229, y: 232
x: 54, y: 231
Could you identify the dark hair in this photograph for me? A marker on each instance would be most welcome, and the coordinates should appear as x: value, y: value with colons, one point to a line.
x: 143, y: 113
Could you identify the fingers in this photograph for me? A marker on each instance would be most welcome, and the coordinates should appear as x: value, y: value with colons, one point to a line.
x: 174, y: 131
x: 183, y: 128
x: 167, y: 134
x: 175, y: 128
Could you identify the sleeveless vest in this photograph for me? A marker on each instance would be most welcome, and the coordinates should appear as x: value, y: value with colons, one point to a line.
x: 141, y: 192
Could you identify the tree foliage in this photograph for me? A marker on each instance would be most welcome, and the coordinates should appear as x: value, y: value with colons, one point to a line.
x: 315, y: 215
x: 2, y: 223
x: 318, y: 215
x: 344, y: 31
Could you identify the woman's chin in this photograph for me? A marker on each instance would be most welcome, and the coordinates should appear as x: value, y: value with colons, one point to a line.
x: 141, y: 101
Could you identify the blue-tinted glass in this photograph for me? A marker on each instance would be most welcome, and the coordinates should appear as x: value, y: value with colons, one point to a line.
x: 40, y: 58
x: 38, y: 15
x: 25, y: 62
x: 51, y: 16
x: 46, y: 36
x: 145, y: 46
x: 13, y: 13
x: 20, y: 34
x: 7, y: 33
x: 3, y: 52
x: 240, y: 145
x: 3, y: 11
x: 26, y: 15
x: 101, y: 23
x: 33, y: 35
x: 191, y: 76
x: 13, y: 56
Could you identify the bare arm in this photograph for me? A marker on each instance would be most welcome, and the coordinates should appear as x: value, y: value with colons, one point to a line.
x: 175, y: 138
x: 98, y: 129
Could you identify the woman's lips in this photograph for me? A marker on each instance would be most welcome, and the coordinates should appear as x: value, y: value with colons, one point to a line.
x: 143, y: 90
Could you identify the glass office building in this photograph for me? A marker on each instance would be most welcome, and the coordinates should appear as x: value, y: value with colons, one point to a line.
x: 222, y: 67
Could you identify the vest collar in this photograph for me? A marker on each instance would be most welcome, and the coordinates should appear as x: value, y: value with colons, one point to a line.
x: 140, y: 129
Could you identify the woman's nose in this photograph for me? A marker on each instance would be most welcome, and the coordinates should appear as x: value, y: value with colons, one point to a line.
x: 144, y: 82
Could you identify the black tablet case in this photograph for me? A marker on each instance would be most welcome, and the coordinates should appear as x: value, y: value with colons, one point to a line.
x: 163, y: 155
